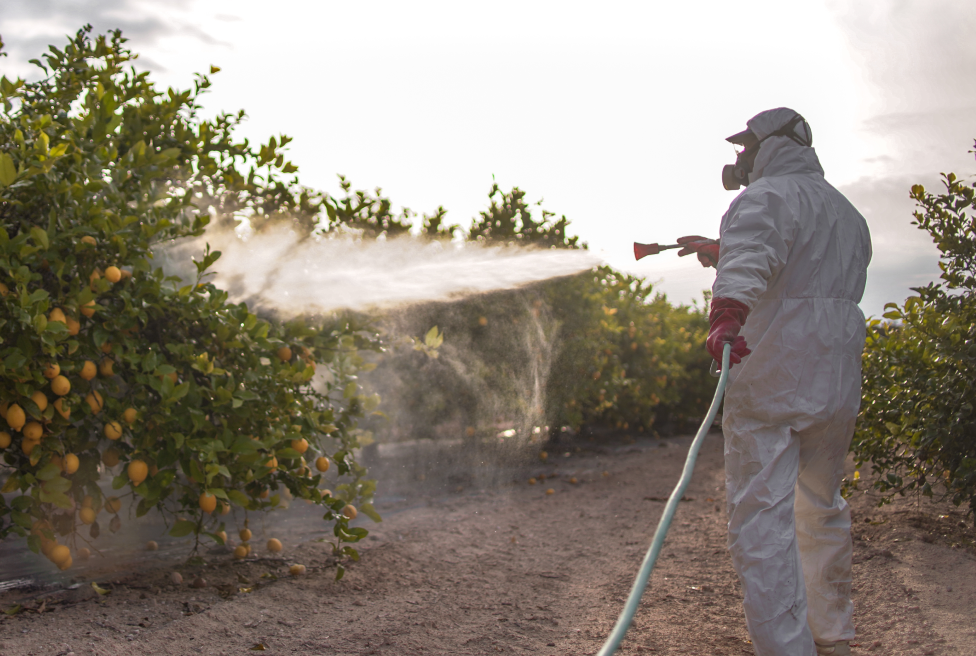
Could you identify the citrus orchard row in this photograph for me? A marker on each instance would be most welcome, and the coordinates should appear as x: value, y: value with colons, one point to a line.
x: 119, y: 382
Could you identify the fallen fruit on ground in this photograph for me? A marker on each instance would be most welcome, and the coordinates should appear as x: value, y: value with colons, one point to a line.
x: 274, y: 545
x: 550, y: 491
x: 176, y: 578
x: 199, y: 582
x: 84, y: 553
x: 296, y: 570
x: 532, y: 481
x: 152, y: 545
x: 240, y: 552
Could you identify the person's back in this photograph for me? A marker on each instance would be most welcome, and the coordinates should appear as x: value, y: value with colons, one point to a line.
x: 815, y: 251
x: 791, y: 267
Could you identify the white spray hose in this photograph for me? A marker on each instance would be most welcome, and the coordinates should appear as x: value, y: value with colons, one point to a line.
x: 640, y: 583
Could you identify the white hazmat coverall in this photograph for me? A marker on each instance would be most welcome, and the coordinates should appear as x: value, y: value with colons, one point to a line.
x: 795, y: 251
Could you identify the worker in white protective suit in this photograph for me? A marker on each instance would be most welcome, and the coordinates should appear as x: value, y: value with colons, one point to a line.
x: 791, y: 265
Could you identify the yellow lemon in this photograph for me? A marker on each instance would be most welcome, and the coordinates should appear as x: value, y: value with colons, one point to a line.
x: 33, y: 431
x: 88, y: 370
x: 95, y: 402
x: 86, y: 515
x: 16, y: 417
x: 208, y: 503
x: 113, y: 430
x: 56, y: 315
x: 65, y: 412
x: 60, y: 385
x: 40, y: 400
x: 138, y: 470
x: 59, y: 554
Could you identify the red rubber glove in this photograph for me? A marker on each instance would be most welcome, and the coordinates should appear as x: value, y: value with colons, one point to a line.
x: 726, y: 319
x: 707, y: 249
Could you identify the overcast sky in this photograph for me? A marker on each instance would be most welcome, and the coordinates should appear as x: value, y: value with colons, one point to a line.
x: 614, y: 113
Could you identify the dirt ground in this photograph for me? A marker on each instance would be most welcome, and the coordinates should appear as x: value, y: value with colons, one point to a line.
x: 515, y: 570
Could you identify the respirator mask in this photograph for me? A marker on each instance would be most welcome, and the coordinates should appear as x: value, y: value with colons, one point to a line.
x: 747, y: 147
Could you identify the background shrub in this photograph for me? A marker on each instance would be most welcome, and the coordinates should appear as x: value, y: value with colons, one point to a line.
x: 917, y: 426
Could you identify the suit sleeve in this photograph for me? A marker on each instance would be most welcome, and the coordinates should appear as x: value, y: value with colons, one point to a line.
x: 756, y: 236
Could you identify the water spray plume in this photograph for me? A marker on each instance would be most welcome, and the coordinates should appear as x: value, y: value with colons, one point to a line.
x: 276, y: 270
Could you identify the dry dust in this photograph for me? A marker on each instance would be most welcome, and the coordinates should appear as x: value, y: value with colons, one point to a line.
x: 514, y: 570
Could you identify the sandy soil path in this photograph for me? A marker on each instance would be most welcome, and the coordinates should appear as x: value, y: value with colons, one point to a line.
x: 514, y: 570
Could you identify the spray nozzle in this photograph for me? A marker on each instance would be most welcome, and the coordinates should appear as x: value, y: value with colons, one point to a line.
x: 643, y: 250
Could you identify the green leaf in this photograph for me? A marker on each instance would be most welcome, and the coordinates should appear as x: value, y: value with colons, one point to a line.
x: 40, y: 237
x: 239, y: 498
x: 244, y: 445
x: 49, y: 472
x: 8, y: 172
x: 368, y: 510
x: 182, y: 528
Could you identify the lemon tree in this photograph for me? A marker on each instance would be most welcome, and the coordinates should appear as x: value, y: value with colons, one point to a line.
x: 114, y: 376
x: 917, y: 424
